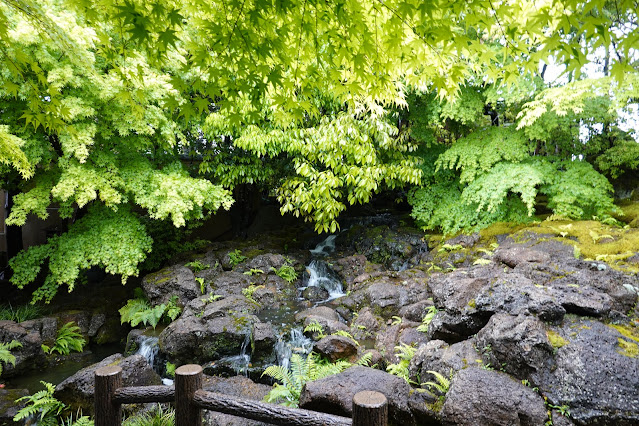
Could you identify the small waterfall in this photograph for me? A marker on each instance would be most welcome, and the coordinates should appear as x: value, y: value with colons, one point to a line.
x: 239, y: 364
x: 321, y: 275
x: 293, y: 342
x: 148, y: 347
x: 325, y: 247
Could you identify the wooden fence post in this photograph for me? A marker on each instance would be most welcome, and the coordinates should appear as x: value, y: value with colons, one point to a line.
x: 188, y: 379
x: 370, y: 408
x: 107, y: 380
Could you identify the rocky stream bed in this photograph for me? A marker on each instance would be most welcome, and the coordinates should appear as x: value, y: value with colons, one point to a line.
x: 526, y: 332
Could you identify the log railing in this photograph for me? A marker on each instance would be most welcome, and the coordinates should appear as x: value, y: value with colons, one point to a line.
x: 369, y: 408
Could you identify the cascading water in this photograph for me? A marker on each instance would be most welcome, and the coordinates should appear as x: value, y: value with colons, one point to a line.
x: 321, y: 275
x: 290, y: 343
x: 148, y: 347
x: 325, y: 247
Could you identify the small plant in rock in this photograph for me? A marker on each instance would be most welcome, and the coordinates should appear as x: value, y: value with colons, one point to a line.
x: 253, y: 271
x: 212, y: 298
x: 20, y: 313
x: 68, y: 339
x: 315, y: 328
x: 202, y: 284
x: 345, y: 334
x: 450, y: 247
x: 236, y: 257
x: 158, y: 417
x: 139, y: 310
x: 286, y: 272
x: 428, y: 318
x: 170, y: 369
x: 41, y: 404
x: 301, y: 371
x: 440, y: 386
x: 197, y: 266
x: 6, y: 357
x: 249, y: 291
x: 405, y: 353
x: 396, y: 320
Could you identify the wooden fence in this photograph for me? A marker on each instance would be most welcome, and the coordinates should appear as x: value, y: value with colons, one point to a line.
x: 369, y: 408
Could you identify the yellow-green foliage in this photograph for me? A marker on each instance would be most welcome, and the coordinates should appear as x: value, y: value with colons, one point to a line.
x: 555, y: 339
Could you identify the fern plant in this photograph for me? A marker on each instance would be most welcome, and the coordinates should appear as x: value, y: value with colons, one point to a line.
x: 6, y: 356
x: 68, y: 339
x: 441, y: 384
x: 236, y: 257
x: 42, y: 404
x: 286, y: 272
x: 428, y: 318
x: 405, y: 353
x: 300, y: 372
x: 197, y: 266
x: 139, y: 310
x: 315, y: 328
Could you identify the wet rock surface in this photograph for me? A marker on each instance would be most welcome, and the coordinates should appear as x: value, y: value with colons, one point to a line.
x: 77, y: 390
x: 483, y: 397
x: 334, y: 394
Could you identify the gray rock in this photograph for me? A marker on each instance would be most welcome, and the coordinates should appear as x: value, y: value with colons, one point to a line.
x: 334, y: 394
x: 385, y: 342
x: 176, y: 280
x: 320, y: 311
x: 594, y: 373
x: 366, y: 325
x: 315, y: 294
x: 513, y: 255
x: 30, y: 355
x: 437, y: 355
x: 464, y: 240
x: 517, y: 345
x: 415, y: 311
x: 328, y: 326
x: 482, y: 397
x: 238, y: 386
x: 208, y: 331
x: 77, y: 391
x: 262, y: 342
x: 336, y: 347
x: 9, y: 408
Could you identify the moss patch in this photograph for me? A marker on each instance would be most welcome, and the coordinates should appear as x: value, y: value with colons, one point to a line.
x: 555, y: 339
x: 627, y: 348
x: 627, y: 331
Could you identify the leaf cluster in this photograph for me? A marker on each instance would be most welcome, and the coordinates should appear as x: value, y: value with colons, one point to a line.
x: 139, y: 310
x: 6, y: 357
x: 68, y: 339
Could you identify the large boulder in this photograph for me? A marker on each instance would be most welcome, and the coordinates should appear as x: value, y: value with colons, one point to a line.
x: 517, y: 345
x: 208, y: 331
x: 29, y: 333
x: 77, y: 390
x: 9, y: 408
x: 237, y: 386
x: 176, y: 280
x: 336, y: 347
x: 438, y: 356
x: 334, y: 394
x: 594, y: 373
x: 490, y: 398
x: 384, y: 245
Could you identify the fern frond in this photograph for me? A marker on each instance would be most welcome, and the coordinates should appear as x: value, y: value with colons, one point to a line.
x: 365, y: 360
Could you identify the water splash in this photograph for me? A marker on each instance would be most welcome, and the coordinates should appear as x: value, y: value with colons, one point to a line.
x: 320, y: 274
x: 148, y: 347
x: 293, y: 342
x: 326, y: 247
